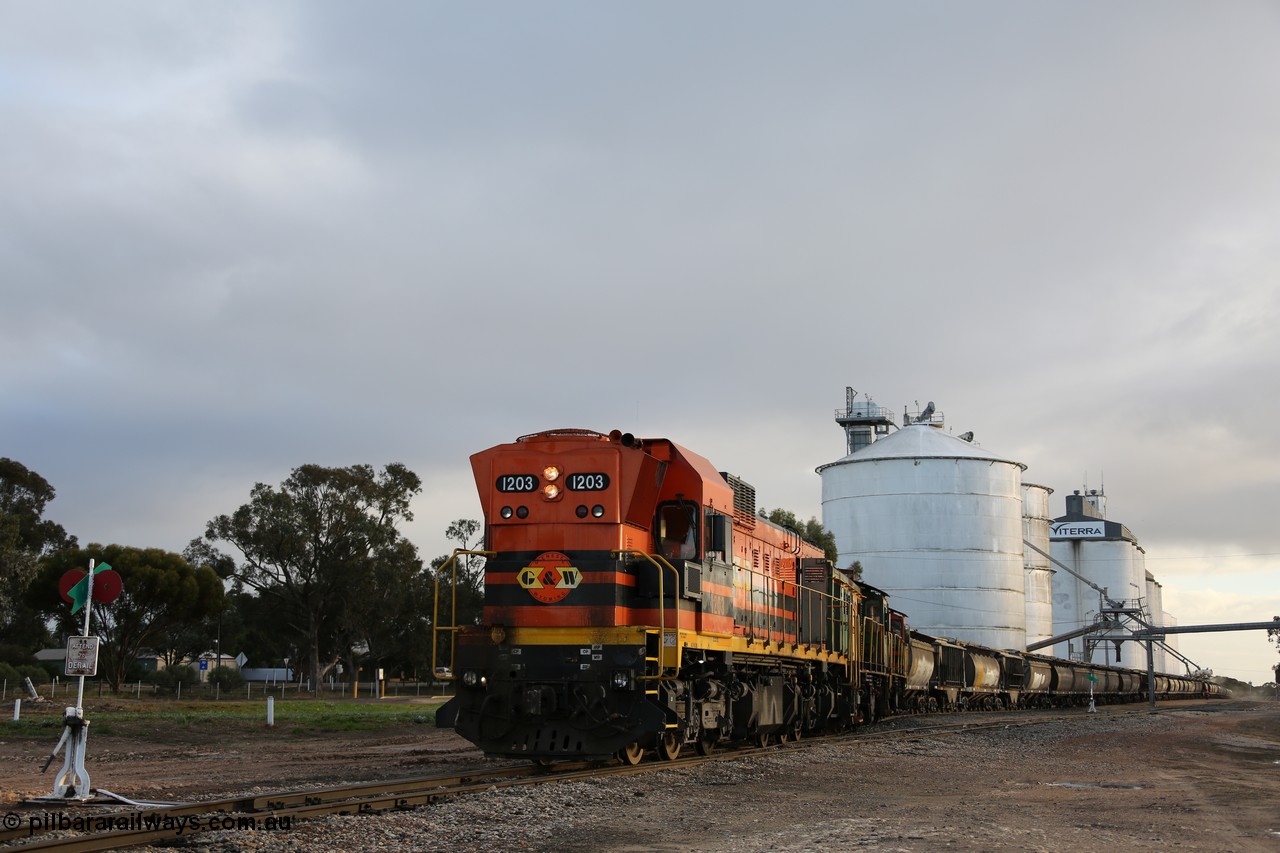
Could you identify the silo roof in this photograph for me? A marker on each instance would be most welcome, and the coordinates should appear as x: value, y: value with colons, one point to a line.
x: 920, y: 441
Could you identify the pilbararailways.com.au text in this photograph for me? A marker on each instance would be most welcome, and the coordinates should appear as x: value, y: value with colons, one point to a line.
x: 145, y: 822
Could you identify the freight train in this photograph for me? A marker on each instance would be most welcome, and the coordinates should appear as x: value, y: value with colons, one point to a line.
x: 635, y: 602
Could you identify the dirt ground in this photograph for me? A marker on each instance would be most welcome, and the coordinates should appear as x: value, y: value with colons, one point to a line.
x: 1189, y: 776
x: 179, y: 763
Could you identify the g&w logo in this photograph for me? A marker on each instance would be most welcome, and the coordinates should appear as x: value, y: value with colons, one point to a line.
x: 550, y: 577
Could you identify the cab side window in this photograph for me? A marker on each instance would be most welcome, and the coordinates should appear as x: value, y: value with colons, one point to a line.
x: 678, y: 531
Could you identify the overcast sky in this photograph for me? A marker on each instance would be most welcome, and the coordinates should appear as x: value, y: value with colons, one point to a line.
x: 240, y: 237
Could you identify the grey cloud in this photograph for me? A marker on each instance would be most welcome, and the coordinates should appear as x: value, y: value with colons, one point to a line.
x: 235, y: 240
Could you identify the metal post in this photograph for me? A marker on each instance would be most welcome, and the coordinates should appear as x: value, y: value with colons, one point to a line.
x: 1151, y: 676
x: 88, y: 608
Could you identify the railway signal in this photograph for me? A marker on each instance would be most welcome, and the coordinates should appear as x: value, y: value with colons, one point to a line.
x: 103, y: 584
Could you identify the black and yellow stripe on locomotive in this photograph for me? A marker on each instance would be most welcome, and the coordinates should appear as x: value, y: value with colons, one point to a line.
x: 622, y: 662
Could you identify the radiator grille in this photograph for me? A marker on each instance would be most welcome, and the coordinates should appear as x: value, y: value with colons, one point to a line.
x: 744, y: 500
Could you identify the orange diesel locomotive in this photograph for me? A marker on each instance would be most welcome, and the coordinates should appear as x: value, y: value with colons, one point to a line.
x: 634, y: 601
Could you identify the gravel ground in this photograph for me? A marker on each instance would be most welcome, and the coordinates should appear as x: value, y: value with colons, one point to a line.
x: 1192, y: 776
x: 1202, y: 779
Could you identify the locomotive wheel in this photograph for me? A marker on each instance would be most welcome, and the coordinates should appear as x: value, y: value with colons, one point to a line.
x: 631, y: 754
x: 706, y: 744
x: 668, y: 747
x: 762, y: 740
x: 789, y: 735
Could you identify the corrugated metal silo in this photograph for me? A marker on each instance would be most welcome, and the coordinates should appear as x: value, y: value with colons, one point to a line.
x: 937, y: 523
x: 1039, y: 571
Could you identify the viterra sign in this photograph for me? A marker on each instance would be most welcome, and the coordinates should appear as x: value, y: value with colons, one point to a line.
x: 1078, y: 530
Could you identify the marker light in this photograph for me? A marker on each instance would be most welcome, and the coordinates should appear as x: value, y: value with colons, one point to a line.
x: 551, y: 491
x: 522, y: 512
x: 506, y: 512
x: 550, y: 472
x: 581, y: 511
x: 597, y: 511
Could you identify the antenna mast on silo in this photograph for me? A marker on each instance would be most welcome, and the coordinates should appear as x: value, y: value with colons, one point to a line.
x: 863, y: 421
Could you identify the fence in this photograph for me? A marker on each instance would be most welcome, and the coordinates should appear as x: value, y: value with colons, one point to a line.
x: 67, y: 688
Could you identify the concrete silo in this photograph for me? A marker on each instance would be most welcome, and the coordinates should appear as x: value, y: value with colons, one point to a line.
x: 1039, y: 571
x: 1171, y: 640
x: 1156, y: 614
x: 1108, y: 554
x: 936, y: 522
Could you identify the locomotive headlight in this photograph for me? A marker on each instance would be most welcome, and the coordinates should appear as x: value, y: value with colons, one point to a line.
x: 551, y: 472
x: 551, y: 491
x: 471, y: 678
x: 621, y: 679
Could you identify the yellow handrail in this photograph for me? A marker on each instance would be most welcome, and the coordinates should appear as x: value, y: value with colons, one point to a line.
x: 660, y: 563
x: 435, y: 608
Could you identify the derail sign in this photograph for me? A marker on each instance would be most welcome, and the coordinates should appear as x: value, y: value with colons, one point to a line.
x: 82, y: 656
x: 1078, y: 530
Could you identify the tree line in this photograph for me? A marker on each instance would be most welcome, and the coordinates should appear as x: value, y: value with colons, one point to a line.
x: 313, y: 574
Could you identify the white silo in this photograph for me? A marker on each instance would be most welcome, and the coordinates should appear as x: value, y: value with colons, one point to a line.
x: 937, y: 523
x: 1172, y: 664
x: 1039, y: 571
x: 1155, y: 615
x: 1108, y: 555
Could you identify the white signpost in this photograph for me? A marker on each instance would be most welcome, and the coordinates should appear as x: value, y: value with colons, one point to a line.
x: 82, y: 660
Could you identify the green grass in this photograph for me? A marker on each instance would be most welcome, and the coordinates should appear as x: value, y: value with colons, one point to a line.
x: 127, y: 717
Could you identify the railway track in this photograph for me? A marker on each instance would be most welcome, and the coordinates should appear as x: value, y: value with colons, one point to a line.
x: 118, y: 827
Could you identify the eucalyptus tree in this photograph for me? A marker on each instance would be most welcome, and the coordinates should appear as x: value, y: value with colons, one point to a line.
x: 313, y: 543
x: 810, y: 531
x: 161, y: 592
x: 25, y: 535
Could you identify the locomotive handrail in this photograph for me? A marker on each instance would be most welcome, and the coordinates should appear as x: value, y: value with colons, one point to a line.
x: 660, y: 563
x: 453, y: 616
x: 837, y: 613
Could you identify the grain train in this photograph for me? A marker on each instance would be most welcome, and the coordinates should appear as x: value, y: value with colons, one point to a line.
x: 635, y: 602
